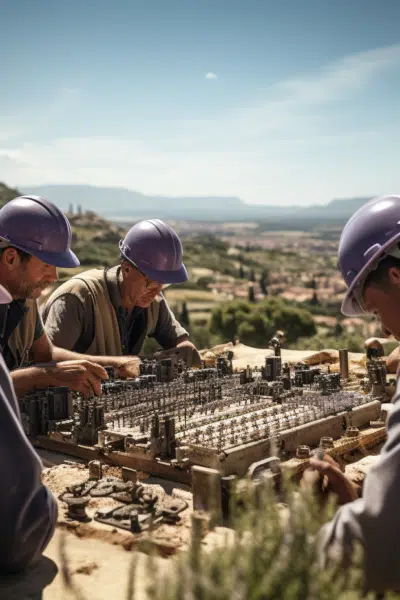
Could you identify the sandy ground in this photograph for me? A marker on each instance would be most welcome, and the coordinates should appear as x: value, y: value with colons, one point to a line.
x: 98, y: 571
x: 168, y: 538
x: 244, y: 356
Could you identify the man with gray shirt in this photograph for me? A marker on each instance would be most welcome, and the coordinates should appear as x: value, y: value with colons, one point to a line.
x: 111, y: 311
x: 369, y: 260
x: 28, y: 509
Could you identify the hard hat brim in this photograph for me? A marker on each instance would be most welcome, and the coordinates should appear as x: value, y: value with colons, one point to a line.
x: 350, y: 306
x: 178, y: 276
x: 66, y: 260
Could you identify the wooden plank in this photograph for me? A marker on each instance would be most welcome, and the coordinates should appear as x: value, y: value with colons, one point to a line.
x: 119, y: 459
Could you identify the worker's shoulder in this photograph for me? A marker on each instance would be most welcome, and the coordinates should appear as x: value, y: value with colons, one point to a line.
x: 79, y: 288
x: 81, y: 282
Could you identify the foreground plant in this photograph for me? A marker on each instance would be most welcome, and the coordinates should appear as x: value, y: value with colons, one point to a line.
x: 274, y: 556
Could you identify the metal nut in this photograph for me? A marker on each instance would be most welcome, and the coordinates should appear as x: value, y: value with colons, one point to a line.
x: 326, y: 442
x: 352, y: 432
x: 303, y: 452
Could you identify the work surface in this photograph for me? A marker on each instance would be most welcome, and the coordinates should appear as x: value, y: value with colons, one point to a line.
x: 98, y: 567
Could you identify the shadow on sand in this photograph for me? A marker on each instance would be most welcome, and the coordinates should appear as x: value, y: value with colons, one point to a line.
x: 29, y: 584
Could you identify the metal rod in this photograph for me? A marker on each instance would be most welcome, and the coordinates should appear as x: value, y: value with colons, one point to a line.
x: 344, y: 363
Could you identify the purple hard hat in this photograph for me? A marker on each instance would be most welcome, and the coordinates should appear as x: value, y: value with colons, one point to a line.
x: 156, y: 250
x: 38, y: 227
x: 371, y: 234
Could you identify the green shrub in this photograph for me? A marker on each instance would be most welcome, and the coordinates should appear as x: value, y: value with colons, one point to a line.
x: 256, y: 323
x: 271, y: 558
x: 353, y: 342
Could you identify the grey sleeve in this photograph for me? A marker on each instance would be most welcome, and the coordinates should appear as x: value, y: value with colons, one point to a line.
x: 65, y: 321
x: 167, y: 330
x: 28, y: 511
x: 374, y: 519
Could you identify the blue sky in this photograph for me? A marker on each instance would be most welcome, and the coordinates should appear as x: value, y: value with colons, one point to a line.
x: 295, y: 102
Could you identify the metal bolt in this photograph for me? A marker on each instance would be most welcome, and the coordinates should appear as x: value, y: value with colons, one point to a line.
x: 344, y: 363
x: 76, y: 507
x: 303, y: 452
x: 134, y: 520
x: 352, y: 432
x: 326, y: 442
x: 95, y: 469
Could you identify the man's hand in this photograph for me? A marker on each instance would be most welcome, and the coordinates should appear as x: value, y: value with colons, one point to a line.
x: 129, y: 367
x: 185, y: 351
x: 79, y: 375
x: 336, y: 481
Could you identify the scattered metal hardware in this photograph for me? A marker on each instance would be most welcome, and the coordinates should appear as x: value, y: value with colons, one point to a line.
x: 76, y: 507
x: 141, y: 507
x: 95, y: 469
x: 141, y: 515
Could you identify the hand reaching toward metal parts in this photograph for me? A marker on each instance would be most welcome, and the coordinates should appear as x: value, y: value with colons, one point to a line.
x: 334, y: 480
x: 185, y: 351
x: 79, y: 375
x: 129, y: 367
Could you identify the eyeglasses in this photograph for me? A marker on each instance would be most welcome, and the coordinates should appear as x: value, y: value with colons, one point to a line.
x: 149, y: 282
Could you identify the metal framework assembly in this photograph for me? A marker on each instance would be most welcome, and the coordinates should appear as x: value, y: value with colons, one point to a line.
x: 171, y: 418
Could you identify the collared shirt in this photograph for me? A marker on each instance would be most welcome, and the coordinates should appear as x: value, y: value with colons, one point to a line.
x: 70, y: 322
x: 11, y: 316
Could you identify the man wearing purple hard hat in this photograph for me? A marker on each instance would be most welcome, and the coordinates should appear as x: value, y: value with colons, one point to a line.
x: 111, y: 311
x: 35, y: 239
x: 28, y: 509
x: 369, y: 260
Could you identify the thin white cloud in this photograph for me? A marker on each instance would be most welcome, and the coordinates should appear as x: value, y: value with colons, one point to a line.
x: 283, y: 147
x: 211, y: 75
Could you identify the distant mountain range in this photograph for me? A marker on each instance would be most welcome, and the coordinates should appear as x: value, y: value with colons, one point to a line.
x: 124, y: 204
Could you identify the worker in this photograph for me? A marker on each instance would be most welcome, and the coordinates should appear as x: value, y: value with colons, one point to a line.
x: 35, y: 238
x: 369, y: 260
x: 378, y: 284
x: 111, y: 311
x: 28, y: 509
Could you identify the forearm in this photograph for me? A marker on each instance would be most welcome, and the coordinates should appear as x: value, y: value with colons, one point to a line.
x: 60, y: 354
x: 33, y: 378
